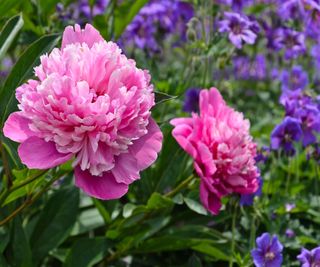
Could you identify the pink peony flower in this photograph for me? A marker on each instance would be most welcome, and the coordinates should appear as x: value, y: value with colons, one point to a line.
x: 92, y: 103
x: 218, y: 139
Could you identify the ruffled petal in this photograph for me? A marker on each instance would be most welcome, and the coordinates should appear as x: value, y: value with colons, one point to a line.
x: 36, y: 153
x: 88, y: 35
x: 209, y: 197
x: 126, y: 169
x: 17, y: 128
x: 145, y: 149
x: 103, y: 187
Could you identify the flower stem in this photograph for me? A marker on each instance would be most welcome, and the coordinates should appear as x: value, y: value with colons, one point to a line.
x: 180, y: 186
x: 234, y: 217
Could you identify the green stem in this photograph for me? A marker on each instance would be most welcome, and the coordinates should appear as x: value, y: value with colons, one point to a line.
x: 7, y: 192
x: 29, y: 201
x: 288, y: 177
x: 234, y: 217
x: 182, y: 185
x: 6, y: 166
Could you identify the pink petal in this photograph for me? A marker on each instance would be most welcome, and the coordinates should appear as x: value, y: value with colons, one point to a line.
x: 126, y: 169
x: 88, y: 35
x: 39, y: 154
x: 210, y: 101
x: 209, y: 197
x: 17, y: 128
x: 102, y: 187
x: 145, y: 149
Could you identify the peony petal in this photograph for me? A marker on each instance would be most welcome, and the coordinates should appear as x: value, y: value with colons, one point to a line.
x: 126, y: 169
x: 145, y: 149
x: 209, y: 197
x: 16, y: 128
x: 103, y: 187
x: 88, y: 35
x: 36, y: 153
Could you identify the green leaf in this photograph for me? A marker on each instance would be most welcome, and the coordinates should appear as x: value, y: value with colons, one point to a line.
x: 23, y: 70
x: 159, y: 202
x: 86, y: 252
x: 4, y: 237
x: 55, y: 223
x: 7, y: 5
x: 9, y: 32
x: 162, y: 97
x: 210, y: 250
x: 88, y: 220
x: 20, y: 246
x: 102, y: 210
x: 194, y: 261
x: 195, y: 206
x: 47, y: 6
x: 125, y: 13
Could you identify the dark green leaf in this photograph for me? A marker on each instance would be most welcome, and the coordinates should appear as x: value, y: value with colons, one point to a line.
x: 158, y: 202
x: 55, y: 223
x: 20, y: 245
x: 87, y: 252
x: 210, y: 250
x: 9, y: 32
x: 4, y: 239
x: 195, y: 206
x: 125, y: 13
x: 194, y: 261
x: 22, y: 70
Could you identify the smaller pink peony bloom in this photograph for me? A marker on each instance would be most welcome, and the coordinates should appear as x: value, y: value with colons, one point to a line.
x: 219, y: 141
x: 91, y: 103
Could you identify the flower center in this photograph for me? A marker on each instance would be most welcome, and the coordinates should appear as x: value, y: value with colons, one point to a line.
x: 269, y: 256
x: 315, y: 264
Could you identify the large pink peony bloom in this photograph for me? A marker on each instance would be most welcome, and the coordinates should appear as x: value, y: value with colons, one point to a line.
x: 218, y: 139
x: 92, y: 103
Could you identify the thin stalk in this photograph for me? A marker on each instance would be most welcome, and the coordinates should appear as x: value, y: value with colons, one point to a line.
x: 6, y: 166
x: 29, y: 201
x: 234, y: 217
x: 181, y: 186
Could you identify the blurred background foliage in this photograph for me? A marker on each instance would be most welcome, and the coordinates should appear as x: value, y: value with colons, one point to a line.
x: 46, y: 221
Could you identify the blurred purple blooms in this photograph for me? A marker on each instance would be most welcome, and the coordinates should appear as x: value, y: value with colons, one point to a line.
x: 295, y: 79
x: 156, y: 21
x: 290, y: 233
x: 191, y: 100
x: 236, y: 5
x: 240, y: 29
x: 309, y: 258
x: 268, y: 252
x: 246, y: 69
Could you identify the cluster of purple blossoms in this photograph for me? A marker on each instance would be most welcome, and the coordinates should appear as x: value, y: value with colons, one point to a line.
x: 310, y: 258
x: 191, y: 100
x: 154, y: 22
x: 81, y: 12
x: 302, y: 120
x: 240, y: 28
x: 236, y: 5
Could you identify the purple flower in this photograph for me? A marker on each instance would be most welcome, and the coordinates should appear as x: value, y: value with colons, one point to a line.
x: 268, y: 252
x: 315, y: 53
x: 247, y: 70
x: 247, y: 199
x: 291, y: 41
x: 284, y: 134
x: 191, y: 100
x: 263, y: 154
x: 239, y: 27
x: 312, y: 19
x: 290, y: 233
x: 236, y: 5
x: 290, y: 206
x: 5, y: 66
x: 155, y: 21
x: 291, y: 9
x: 309, y: 258
x: 295, y: 79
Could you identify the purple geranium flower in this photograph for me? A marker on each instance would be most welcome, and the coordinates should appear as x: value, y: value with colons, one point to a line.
x: 191, y: 100
x: 315, y: 53
x: 268, y: 252
x: 247, y: 199
x: 309, y: 258
x: 284, y: 134
x: 295, y: 79
x: 291, y: 9
x: 236, y: 5
x: 290, y: 233
x: 240, y: 28
x: 312, y: 19
x: 246, y: 69
x: 291, y: 41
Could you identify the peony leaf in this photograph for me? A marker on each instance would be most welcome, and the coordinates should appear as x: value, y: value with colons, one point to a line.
x: 9, y: 32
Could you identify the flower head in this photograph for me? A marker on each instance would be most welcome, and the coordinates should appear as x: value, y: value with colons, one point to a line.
x: 218, y: 139
x: 291, y: 41
x: 284, y: 134
x: 239, y: 28
x: 91, y: 103
x: 268, y: 252
x: 191, y: 100
x: 290, y: 233
x: 309, y: 258
x: 295, y: 79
